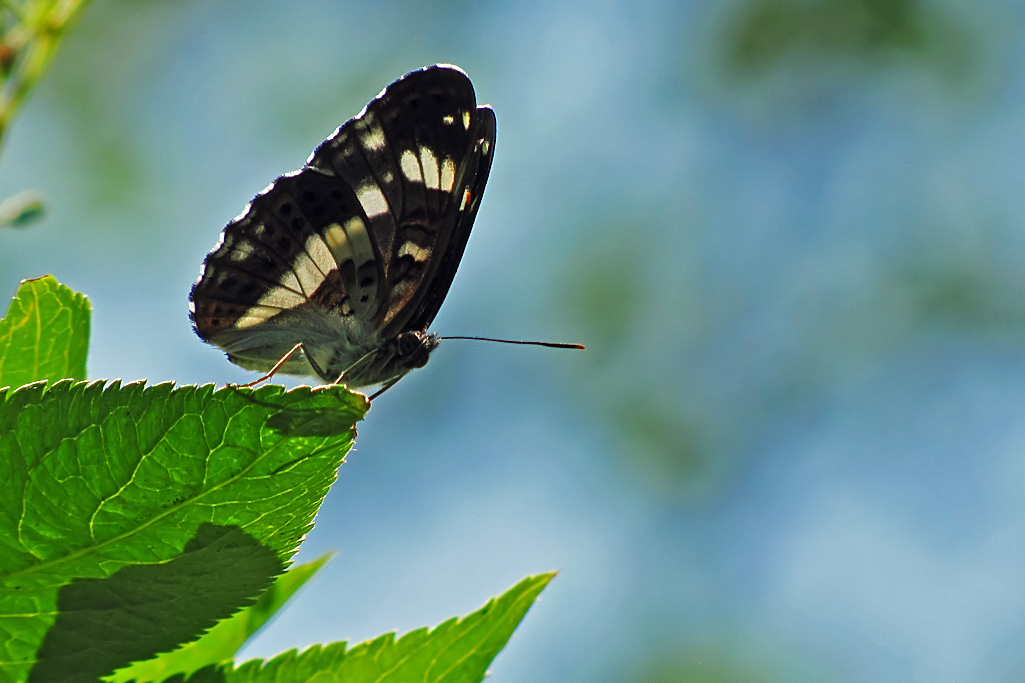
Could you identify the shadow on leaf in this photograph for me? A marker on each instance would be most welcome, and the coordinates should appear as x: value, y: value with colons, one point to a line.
x: 141, y: 610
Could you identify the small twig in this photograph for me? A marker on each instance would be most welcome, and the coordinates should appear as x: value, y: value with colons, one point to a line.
x: 27, y: 47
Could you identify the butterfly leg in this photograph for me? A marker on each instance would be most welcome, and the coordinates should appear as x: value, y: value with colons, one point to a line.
x: 388, y: 385
x: 277, y: 366
x: 341, y: 378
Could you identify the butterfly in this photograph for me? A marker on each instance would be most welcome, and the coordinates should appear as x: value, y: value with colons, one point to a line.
x: 336, y: 270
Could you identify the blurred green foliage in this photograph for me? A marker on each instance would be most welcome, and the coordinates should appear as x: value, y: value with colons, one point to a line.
x: 869, y: 33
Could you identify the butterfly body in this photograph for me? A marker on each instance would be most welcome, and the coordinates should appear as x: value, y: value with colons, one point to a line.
x: 351, y: 256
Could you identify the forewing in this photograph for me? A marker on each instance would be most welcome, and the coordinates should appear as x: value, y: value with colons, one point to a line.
x: 418, y: 157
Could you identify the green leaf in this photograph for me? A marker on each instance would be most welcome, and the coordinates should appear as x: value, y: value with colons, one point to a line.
x: 221, y: 643
x: 146, y: 608
x: 457, y: 651
x: 45, y: 334
x: 202, y: 488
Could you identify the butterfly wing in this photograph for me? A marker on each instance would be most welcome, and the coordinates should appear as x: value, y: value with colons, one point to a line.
x: 359, y: 245
x: 426, y: 148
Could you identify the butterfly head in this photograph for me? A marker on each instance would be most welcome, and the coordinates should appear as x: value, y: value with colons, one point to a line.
x: 393, y: 359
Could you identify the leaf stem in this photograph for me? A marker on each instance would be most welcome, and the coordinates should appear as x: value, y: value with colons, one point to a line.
x: 27, y: 46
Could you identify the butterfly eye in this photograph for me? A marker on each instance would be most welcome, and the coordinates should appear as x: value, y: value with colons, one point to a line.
x: 407, y: 343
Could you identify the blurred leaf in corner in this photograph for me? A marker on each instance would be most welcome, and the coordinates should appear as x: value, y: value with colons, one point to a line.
x: 21, y: 209
x: 31, y: 31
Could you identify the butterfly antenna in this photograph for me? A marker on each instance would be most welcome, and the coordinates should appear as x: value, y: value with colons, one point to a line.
x: 551, y: 345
